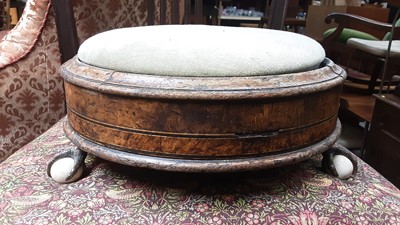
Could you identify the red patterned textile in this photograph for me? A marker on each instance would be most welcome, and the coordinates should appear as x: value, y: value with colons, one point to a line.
x: 115, y: 194
x: 32, y: 95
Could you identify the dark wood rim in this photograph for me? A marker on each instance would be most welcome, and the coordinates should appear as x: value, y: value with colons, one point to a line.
x: 199, y: 165
x: 202, y: 88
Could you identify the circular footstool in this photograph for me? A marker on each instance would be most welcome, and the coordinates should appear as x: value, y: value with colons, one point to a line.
x: 196, y: 98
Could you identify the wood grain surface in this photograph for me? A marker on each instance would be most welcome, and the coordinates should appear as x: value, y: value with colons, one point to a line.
x: 202, y: 117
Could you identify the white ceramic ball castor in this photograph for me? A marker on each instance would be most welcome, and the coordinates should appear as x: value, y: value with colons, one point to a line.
x: 62, y: 169
x: 339, y: 162
x: 344, y: 167
x: 67, y: 167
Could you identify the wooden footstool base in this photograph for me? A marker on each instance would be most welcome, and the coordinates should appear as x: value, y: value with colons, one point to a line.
x: 202, y: 165
x: 170, y: 105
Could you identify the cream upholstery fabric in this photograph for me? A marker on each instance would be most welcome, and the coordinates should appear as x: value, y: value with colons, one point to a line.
x: 200, y: 50
x: 378, y: 48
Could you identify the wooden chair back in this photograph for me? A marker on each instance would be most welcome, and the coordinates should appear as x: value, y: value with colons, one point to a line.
x: 275, y: 14
x: 2, y: 10
x: 181, y: 12
x: 5, y: 18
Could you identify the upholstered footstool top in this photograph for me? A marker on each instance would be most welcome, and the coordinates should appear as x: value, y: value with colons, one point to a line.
x: 199, y: 50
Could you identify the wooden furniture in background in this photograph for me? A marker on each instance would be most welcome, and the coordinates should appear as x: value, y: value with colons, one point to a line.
x: 5, y: 19
x: 364, y: 70
x: 10, y: 13
x: 357, y: 110
x: 275, y: 16
x: 364, y: 66
x: 360, y: 105
x: 238, y: 20
x: 383, y: 143
x: 316, y: 26
x: 288, y: 11
x: 282, y: 13
x: 2, y: 13
x: 181, y: 12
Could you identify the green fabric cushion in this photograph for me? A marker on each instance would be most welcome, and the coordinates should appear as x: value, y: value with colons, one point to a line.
x: 350, y: 33
x: 387, y: 35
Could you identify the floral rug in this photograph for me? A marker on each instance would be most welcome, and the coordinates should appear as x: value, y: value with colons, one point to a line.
x: 110, y: 193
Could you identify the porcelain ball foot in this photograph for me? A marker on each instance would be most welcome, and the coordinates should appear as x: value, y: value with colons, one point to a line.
x: 339, y: 162
x: 67, y: 167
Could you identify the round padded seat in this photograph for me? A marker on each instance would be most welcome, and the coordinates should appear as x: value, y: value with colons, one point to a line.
x: 202, y: 98
x: 199, y: 50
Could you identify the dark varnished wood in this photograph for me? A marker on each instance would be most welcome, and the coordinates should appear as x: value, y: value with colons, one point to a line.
x: 383, y: 143
x: 361, y: 105
x: 3, y: 15
x: 201, y: 165
x: 276, y: 15
x: 66, y: 29
x: 202, y: 117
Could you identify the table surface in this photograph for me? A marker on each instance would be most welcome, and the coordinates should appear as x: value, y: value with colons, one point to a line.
x: 361, y: 105
x: 111, y: 193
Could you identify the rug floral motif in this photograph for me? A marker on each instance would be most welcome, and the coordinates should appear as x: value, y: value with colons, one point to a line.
x: 110, y: 193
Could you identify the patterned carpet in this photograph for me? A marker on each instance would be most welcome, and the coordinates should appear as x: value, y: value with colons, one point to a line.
x: 115, y: 194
